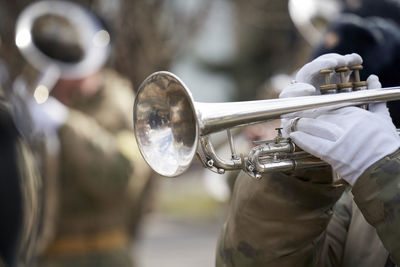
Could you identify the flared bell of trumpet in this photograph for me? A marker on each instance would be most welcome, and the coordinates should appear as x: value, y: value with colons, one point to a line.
x: 165, y: 124
x: 169, y: 125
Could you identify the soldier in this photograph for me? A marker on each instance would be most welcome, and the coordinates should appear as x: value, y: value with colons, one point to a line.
x: 96, y: 194
x: 100, y: 184
x: 290, y: 219
x: 371, y: 29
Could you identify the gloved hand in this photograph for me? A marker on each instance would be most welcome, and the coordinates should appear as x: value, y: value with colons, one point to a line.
x: 350, y: 139
x: 48, y: 116
x: 295, y: 90
x: 33, y: 118
x: 308, y: 80
x: 309, y: 73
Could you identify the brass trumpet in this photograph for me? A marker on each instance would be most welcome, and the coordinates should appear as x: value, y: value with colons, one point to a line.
x: 170, y: 128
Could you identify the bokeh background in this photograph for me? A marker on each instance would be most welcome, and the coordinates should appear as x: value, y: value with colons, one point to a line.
x: 224, y: 50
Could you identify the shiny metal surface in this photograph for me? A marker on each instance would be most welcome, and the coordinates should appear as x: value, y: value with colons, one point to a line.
x: 311, y: 17
x: 92, y: 40
x: 86, y: 26
x: 215, y: 117
x: 168, y: 125
x: 165, y: 124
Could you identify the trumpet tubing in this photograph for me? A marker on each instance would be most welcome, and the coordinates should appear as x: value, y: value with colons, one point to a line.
x: 171, y: 128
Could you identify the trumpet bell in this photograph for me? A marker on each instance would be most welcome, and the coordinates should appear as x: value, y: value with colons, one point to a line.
x: 93, y: 38
x: 165, y: 124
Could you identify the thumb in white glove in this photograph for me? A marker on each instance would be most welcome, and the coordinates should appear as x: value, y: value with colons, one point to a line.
x: 350, y: 139
x: 378, y: 108
x: 294, y: 90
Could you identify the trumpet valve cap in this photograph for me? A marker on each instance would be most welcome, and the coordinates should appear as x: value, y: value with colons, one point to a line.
x: 345, y: 87
x: 328, y: 89
x: 362, y: 85
x: 326, y: 71
x: 356, y: 67
x: 341, y: 69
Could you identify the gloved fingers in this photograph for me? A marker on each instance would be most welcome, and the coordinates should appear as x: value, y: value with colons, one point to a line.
x: 310, y: 73
x: 49, y: 115
x: 311, y: 113
x: 352, y: 59
x: 345, y: 60
x: 314, y: 145
x: 379, y: 108
x: 311, y: 70
x: 297, y: 89
x: 319, y: 128
x: 373, y: 82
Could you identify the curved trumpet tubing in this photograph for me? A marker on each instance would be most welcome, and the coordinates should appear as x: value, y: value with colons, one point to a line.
x: 168, y: 125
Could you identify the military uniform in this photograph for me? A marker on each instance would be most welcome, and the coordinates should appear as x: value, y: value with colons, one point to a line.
x: 292, y: 220
x: 102, y: 180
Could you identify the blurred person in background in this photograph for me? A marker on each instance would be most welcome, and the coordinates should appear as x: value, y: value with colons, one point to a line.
x: 144, y: 33
x: 98, y: 183
x: 372, y: 30
x: 299, y: 218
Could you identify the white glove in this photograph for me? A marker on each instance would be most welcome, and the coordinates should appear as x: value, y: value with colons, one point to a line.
x: 309, y: 73
x: 48, y: 116
x: 295, y: 90
x: 43, y: 118
x: 308, y: 81
x: 350, y: 139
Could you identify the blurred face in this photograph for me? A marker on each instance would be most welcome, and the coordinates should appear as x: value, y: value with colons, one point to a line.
x: 71, y: 91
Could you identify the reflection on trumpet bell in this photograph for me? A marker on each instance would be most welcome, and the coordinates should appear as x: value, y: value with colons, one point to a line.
x: 170, y: 127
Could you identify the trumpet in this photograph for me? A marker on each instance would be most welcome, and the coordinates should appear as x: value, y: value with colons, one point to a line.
x: 92, y: 42
x: 171, y: 128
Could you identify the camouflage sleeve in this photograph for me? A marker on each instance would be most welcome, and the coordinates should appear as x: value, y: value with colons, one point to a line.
x: 332, y: 248
x: 92, y: 158
x: 279, y: 220
x: 377, y: 194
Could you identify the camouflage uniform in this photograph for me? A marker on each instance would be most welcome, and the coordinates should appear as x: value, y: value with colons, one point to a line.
x: 102, y: 181
x: 292, y: 220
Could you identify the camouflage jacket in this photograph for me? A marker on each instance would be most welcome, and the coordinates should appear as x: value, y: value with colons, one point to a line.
x: 304, y: 220
x: 101, y: 176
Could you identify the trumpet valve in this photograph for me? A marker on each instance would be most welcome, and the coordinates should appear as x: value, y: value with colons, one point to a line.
x: 361, y: 85
x: 356, y: 70
x: 328, y: 87
x: 358, y: 84
x: 279, y: 135
x: 344, y: 86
